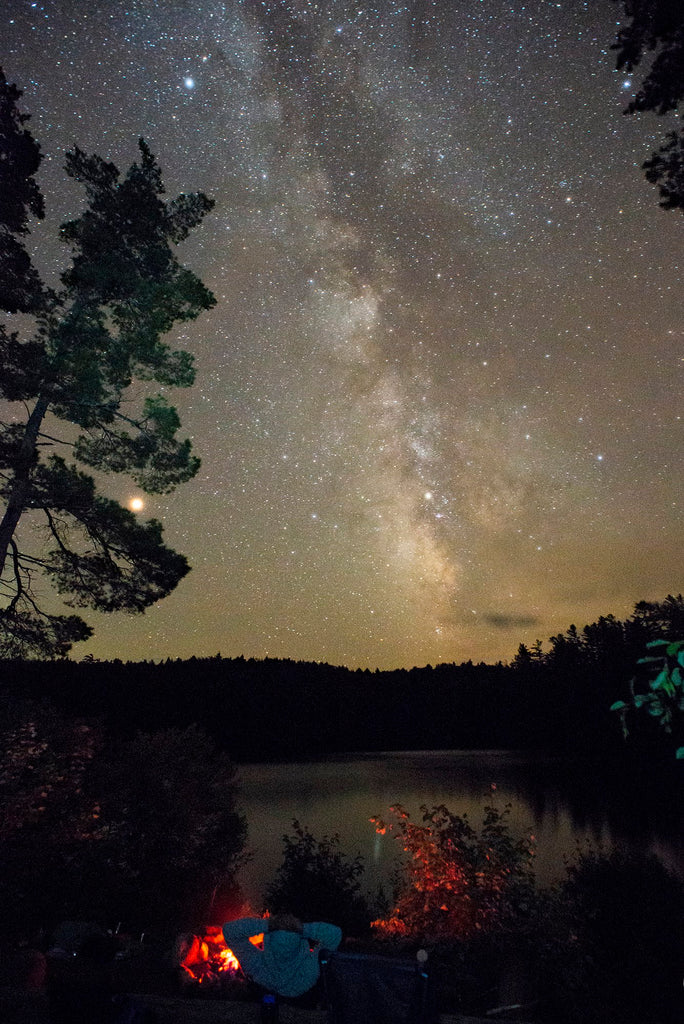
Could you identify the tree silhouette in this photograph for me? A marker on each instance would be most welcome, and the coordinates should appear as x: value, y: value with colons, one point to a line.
x: 89, y: 343
x: 657, y: 26
x: 20, y: 287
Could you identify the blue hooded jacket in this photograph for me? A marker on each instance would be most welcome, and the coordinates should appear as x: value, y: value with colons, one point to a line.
x: 286, y: 964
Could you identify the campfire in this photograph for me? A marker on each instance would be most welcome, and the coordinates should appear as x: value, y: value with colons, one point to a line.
x: 205, y: 959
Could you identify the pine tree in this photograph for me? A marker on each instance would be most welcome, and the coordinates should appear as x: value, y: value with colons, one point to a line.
x: 20, y: 287
x: 90, y: 341
x: 653, y: 32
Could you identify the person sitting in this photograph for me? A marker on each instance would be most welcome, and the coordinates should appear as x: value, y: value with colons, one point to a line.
x: 287, y: 961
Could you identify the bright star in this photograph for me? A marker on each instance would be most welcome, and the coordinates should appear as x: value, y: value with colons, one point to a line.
x: 189, y: 83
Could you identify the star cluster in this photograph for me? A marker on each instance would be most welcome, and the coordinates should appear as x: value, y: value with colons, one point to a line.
x: 437, y: 401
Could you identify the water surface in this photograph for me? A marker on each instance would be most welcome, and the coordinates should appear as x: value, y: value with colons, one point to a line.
x: 563, y: 804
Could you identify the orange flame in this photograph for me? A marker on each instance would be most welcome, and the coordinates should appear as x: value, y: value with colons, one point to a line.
x: 205, y: 957
x: 227, y: 960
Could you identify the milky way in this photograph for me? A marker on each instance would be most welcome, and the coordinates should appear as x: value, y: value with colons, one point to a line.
x: 437, y: 403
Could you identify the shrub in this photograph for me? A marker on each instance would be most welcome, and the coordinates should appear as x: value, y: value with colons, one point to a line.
x: 318, y: 882
x: 457, y: 880
x: 165, y: 836
x: 615, y: 934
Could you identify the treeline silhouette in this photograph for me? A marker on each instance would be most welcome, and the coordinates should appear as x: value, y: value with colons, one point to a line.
x: 554, y: 699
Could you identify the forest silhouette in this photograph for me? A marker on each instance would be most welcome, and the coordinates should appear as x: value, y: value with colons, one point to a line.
x: 555, y: 698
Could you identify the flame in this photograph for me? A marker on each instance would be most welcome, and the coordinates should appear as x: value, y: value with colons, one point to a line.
x: 205, y: 957
x: 228, y: 961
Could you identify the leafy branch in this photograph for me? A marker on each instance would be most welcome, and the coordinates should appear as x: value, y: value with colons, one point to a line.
x: 664, y: 699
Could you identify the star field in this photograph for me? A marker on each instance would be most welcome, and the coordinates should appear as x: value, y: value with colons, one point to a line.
x: 438, y: 401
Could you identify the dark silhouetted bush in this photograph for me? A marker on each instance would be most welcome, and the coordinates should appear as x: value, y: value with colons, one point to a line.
x: 615, y: 942
x: 318, y: 882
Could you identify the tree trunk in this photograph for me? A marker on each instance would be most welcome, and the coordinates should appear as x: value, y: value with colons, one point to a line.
x: 19, y: 491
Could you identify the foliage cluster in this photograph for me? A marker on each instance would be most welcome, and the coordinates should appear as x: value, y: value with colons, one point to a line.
x: 144, y: 830
x: 611, y: 938
x: 457, y: 880
x: 316, y: 881
x: 664, y: 699
x: 656, y: 27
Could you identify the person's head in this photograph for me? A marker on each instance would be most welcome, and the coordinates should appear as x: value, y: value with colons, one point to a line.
x: 285, y: 923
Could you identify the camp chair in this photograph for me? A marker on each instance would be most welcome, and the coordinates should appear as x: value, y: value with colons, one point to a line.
x: 377, y: 989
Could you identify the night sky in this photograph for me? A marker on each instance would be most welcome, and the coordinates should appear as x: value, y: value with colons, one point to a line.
x: 438, y: 402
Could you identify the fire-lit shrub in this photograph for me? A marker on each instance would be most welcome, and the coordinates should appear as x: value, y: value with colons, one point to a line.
x: 318, y: 882
x: 456, y: 880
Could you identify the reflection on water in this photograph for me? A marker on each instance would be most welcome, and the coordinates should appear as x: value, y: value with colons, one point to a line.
x: 563, y: 804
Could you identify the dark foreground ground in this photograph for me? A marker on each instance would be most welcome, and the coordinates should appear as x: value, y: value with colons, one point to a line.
x: 19, y: 1006
x: 29, y: 981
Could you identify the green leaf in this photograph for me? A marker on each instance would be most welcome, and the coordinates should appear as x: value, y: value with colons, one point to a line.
x: 661, y: 681
x: 619, y: 705
x: 680, y: 754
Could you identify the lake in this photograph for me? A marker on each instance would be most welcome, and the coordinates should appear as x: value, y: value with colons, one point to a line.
x: 563, y: 803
